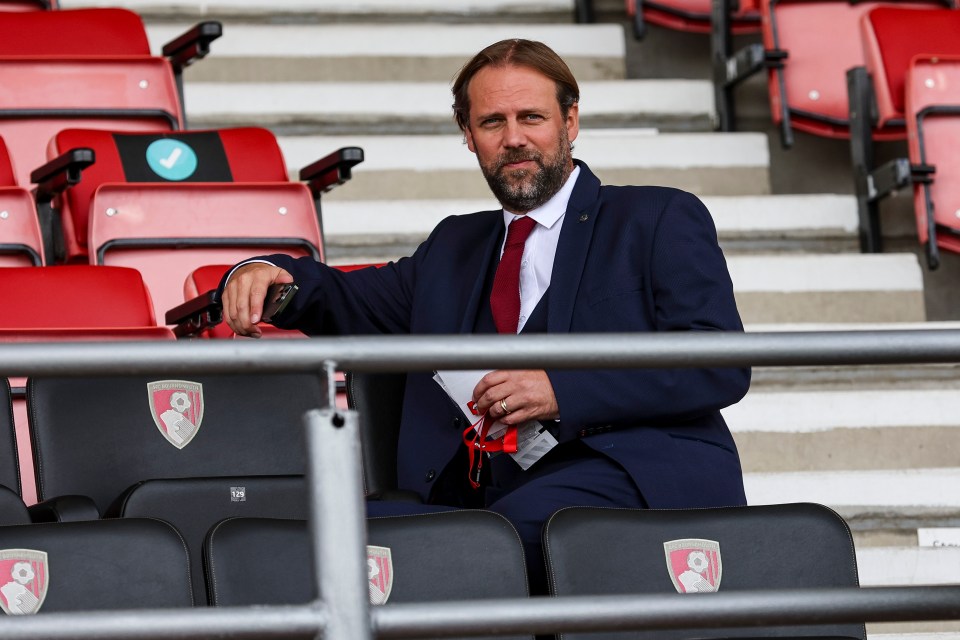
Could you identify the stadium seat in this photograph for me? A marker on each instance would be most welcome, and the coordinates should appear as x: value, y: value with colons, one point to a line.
x: 807, y: 47
x: 454, y: 555
x: 20, y: 241
x: 892, y: 37
x: 86, y: 68
x: 933, y: 128
x: 89, y: 566
x: 692, y: 16
x: 206, y: 437
x: 12, y: 508
x: 168, y: 203
x: 378, y: 399
x: 596, y: 551
x: 70, y: 303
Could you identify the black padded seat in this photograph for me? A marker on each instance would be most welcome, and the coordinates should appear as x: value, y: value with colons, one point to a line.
x: 597, y: 551
x: 454, y: 555
x: 93, y: 565
x: 12, y: 508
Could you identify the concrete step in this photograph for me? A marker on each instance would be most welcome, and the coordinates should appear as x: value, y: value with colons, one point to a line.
x: 441, y: 167
x: 392, y: 228
x: 424, y: 107
x: 331, y: 10
x: 828, y: 288
x: 415, y: 52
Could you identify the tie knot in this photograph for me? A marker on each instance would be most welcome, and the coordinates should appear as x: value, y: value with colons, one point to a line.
x: 519, y: 230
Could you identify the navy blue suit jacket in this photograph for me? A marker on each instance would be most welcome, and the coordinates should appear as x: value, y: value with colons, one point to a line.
x: 629, y: 259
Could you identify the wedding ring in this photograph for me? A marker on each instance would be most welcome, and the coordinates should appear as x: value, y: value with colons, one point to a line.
x: 503, y: 405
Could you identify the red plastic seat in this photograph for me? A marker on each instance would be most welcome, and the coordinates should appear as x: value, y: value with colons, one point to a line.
x: 20, y: 242
x: 222, y: 196
x: 79, y: 67
x: 892, y: 37
x: 692, y: 16
x: 70, y: 303
x: 933, y: 128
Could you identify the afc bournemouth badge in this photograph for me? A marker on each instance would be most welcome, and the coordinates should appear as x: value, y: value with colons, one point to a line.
x: 23, y: 580
x: 380, y: 573
x: 694, y: 565
x: 177, y: 409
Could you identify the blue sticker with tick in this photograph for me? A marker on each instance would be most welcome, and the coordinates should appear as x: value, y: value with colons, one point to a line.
x: 171, y: 159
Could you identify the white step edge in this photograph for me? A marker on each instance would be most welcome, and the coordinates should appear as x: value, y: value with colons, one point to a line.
x: 908, y: 566
x: 599, y: 148
x: 379, y: 40
x: 794, y: 273
x: 796, y: 215
x: 480, y: 7
x: 311, y: 101
x: 932, y: 635
x: 818, y: 411
x: 872, y: 489
x: 946, y: 325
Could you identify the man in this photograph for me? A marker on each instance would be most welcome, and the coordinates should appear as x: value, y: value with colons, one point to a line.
x: 597, y: 259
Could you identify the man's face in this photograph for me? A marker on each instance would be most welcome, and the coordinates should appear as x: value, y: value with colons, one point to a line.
x: 521, y: 139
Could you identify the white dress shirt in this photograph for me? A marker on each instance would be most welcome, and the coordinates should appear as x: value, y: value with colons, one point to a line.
x: 536, y: 266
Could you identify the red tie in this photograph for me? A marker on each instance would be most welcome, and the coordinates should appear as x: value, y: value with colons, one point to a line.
x: 505, y: 296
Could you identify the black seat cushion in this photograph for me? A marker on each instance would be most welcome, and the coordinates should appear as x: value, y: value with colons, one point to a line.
x: 95, y: 565
x: 99, y: 436
x: 9, y: 463
x: 593, y: 551
x: 194, y: 505
x: 455, y: 555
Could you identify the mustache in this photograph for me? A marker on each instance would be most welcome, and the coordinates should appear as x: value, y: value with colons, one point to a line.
x: 518, y: 155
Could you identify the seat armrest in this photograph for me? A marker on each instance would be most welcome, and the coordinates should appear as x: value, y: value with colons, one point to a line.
x: 64, y: 509
x: 195, y: 316
x: 332, y: 170
x: 395, y: 495
x: 59, y: 174
x: 192, y: 45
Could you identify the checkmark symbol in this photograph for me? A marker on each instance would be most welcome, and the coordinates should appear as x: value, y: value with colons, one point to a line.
x: 171, y: 160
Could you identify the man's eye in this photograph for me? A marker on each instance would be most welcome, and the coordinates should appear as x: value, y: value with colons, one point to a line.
x: 534, y: 116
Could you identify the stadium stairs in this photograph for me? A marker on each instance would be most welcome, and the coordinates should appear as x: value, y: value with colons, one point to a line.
x: 878, y: 444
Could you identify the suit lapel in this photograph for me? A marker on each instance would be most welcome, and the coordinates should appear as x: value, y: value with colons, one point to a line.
x: 572, y: 249
x: 479, y: 272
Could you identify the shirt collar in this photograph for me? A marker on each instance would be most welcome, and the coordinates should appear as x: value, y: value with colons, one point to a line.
x: 553, y: 209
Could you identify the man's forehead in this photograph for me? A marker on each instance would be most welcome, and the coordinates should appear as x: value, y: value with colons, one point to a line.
x: 514, y: 86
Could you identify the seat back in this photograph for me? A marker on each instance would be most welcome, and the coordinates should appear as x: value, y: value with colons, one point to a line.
x: 454, y: 555
x: 693, y: 16
x: 12, y: 508
x: 20, y: 240
x: 74, y: 297
x: 195, y: 505
x: 378, y: 400
x: 596, y: 551
x: 97, y: 437
x: 811, y: 86
x: 891, y: 37
x: 933, y: 127
x: 95, y: 565
x: 169, y: 203
x: 79, y: 67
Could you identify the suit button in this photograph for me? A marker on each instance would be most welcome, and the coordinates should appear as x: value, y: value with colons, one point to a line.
x: 430, y: 475
x: 457, y: 423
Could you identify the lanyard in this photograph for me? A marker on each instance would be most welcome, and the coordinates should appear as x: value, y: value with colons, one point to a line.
x: 477, y: 444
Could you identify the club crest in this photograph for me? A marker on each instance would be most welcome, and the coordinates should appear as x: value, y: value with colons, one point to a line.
x: 379, y: 573
x: 694, y: 565
x: 24, y: 577
x: 177, y: 409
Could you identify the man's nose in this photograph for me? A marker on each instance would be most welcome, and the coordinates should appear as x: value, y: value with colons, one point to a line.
x: 513, y: 135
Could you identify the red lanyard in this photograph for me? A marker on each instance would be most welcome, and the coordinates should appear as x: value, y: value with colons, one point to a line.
x: 477, y: 444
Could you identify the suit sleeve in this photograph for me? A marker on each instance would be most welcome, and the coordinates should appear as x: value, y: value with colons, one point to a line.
x: 686, y: 288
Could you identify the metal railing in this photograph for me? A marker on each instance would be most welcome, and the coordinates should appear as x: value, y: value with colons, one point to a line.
x: 342, y: 610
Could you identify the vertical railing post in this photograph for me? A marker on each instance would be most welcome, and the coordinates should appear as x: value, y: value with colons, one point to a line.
x: 338, y: 522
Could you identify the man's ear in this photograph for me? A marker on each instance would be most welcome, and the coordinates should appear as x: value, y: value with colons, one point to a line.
x: 573, y: 121
x: 468, y: 138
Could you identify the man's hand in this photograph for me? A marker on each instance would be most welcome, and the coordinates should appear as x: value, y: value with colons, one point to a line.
x: 244, y: 295
x: 528, y: 395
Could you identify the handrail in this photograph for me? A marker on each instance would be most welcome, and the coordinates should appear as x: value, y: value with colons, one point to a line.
x: 424, y: 353
x: 336, y: 486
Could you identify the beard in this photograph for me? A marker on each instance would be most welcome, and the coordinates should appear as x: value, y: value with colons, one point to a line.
x: 523, y: 190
